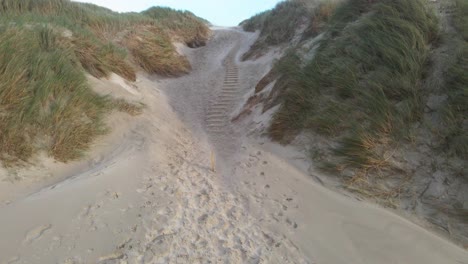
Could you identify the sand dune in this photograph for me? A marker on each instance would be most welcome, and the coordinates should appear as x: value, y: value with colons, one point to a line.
x: 147, y: 193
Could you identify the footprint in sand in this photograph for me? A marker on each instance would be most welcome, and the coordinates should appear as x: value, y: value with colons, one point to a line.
x: 13, y: 260
x: 112, y: 258
x: 36, y: 233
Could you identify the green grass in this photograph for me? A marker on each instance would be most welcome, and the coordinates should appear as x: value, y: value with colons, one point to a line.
x: 319, y: 17
x: 47, y: 47
x: 363, y: 85
x: 461, y: 18
x: 45, y: 101
x: 256, y: 22
x: 277, y: 26
x: 95, y: 29
x: 455, y: 131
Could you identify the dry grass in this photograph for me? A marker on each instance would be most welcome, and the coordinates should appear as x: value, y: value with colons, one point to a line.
x: 100, y: 59
x: 154, y: 52
x: 133, y: 109
x: 365, y: 186
x: 182, y: 26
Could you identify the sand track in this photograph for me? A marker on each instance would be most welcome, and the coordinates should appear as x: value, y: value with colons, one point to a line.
x: 154, y: 199
x: 210, y: 224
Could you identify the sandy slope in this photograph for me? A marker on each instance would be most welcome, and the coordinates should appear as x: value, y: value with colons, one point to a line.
x: 147, y: 195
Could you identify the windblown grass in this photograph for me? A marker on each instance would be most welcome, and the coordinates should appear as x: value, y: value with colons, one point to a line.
x: 97, y: 33
x: 155, y: 53
x: 364, y: 83
x: 47, y: 46
x: 461, y: 18
x: 185, y: 26
x: 72, y: 14
x: 280, y: 25
x: 101, y: 59
x: 277, y: 26
x: 45, y: 101
x: 320, y: 17
x: 256, y: 22
x: 456, y: 110
x: 457, y: 107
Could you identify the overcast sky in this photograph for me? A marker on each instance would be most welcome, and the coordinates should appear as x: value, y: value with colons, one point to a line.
x: 218, y: 12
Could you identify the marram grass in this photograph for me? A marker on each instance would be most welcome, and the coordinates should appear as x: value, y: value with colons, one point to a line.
x: 47, y: 46
x: 363, y: 85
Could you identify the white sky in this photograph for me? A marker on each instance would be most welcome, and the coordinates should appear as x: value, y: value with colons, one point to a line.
x: 221, y: 13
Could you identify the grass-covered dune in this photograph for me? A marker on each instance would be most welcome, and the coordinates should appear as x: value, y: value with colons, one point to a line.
x: 365, y: 80
x: 363, y: 84
x: 380, y: 86
x: 47, y: 47
x: 288, y: 19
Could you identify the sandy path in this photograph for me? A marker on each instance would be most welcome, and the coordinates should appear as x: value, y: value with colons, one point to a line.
x: 155, y: 199
x: 325, y: 227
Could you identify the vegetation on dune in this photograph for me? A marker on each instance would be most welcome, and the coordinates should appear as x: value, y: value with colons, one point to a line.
x: 184, y: 25
x: 100, y: 34
x: 100, y: 59
x: 381, y: 89
x: 319, y: 16
x: 46, y: 48
x: 455, y: 131
x: 256, y: 22
x: 456, y: 112
x: 280, y: 25
x: 277, y: 26
x: 461, y: 18
x: 154, y: 53
x: 364, y: 83
x: 45, y: 101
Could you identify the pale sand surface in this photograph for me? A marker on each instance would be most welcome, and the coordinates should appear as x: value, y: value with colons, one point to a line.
x: 146, y: 193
